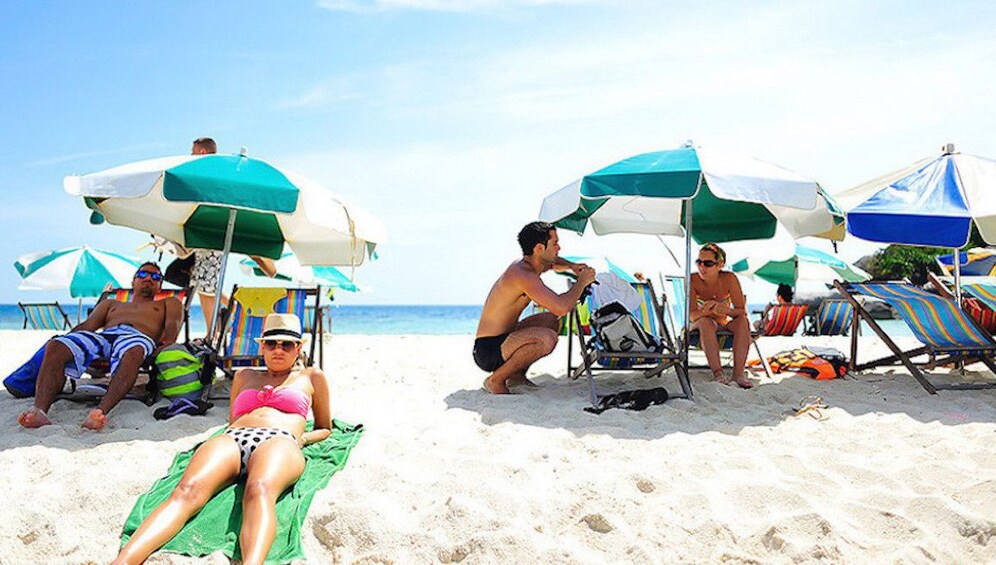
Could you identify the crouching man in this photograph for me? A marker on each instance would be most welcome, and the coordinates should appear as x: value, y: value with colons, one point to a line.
x: 505, y: 346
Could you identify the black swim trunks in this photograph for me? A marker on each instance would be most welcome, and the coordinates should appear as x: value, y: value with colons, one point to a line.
x: 487, y: 352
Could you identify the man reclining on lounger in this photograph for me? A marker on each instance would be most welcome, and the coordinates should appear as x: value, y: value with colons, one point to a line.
x: 127, y: 332
x: 506, y: 346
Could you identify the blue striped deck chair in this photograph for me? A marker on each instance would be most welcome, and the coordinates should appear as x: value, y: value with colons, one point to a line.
x: 242, y: 322
x: 44, y: 316
x: 596, y: 358
x: 833, y: 317
x: 725, y: 337
x: 948, y: 334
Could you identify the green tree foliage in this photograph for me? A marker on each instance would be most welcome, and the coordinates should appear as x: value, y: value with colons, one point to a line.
x: 897, y: 262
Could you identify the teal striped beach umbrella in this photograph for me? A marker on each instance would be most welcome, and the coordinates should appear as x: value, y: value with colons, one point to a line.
x: 291, y: 270
x: 83, y: 271
x: 230, y: 203
x: 807, y: 264
x: 192, y: 199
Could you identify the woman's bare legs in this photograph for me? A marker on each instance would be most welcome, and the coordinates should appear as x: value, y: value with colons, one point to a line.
x: 741, y: 345
x: 274, y: 466
x: 213, y: 466
x: 710, y: 344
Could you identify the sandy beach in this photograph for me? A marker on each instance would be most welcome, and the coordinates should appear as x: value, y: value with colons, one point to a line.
x: 447, y: 474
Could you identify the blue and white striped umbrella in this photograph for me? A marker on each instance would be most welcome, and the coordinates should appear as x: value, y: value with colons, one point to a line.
x: 931, y: 203
x: 84, y: 271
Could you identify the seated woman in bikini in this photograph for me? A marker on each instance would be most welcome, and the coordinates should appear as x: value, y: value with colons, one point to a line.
x: 718, y: 302
x: 261, y: 446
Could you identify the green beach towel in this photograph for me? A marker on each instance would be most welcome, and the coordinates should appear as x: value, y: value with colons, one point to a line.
x: 216, y: 526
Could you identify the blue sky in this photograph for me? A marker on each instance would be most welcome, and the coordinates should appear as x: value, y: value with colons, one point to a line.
x: 451, y: 120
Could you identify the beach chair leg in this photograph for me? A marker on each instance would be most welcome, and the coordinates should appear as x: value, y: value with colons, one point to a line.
x: 682, y: 372
x: 764, y: 360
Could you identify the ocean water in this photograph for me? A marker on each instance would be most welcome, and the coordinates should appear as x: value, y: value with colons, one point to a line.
x: 346, y: 319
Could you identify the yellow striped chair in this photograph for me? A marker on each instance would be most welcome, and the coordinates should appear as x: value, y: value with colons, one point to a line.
x: 44, y: 316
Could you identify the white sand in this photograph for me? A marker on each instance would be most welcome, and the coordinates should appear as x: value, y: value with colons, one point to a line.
x: 446, y: 473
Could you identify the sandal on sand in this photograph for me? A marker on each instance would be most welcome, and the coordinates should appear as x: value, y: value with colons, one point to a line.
x: 812, y: 405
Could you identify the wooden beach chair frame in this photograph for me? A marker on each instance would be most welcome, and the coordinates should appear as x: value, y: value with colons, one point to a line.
x: 33, y: 312
x: 983, y: 350
x: 595, y: 358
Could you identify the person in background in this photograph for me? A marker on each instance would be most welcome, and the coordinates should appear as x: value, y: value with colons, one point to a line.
x: 207, y: 262
x: 717, y: 302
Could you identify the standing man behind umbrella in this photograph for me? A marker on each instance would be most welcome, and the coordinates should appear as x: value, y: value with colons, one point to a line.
x: 207, y: 262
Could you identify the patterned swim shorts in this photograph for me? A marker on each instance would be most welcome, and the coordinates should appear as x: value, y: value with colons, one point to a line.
x: 207, y: 267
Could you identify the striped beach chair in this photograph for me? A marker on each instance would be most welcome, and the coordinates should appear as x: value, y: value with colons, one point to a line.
x: 948, y: 335
x: 595, y: 357
x: 981, y: 305
x: 833, y: 317
x: 44, y: 316
x: 242, y: 322
x: 782, y: 319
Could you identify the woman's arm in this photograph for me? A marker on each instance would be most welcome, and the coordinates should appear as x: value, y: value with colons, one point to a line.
x: 320, y: 408
x: 736, y: 297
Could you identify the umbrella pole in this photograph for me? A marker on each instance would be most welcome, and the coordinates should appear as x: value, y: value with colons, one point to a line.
x: 221, y: 276
x: 79, y: 311
x: 688, y: 281
x: 957, y: 278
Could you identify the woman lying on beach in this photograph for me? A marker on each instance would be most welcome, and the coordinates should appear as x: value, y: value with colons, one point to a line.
x: 718, y: 302
x: 261, y: 446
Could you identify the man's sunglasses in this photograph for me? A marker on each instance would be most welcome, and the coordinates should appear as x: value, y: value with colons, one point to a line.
x: 706, y: 262
x: 149, y: 275
x: 274, y: 343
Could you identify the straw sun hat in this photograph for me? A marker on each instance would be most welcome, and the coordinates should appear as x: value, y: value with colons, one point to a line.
x: 284, y: 327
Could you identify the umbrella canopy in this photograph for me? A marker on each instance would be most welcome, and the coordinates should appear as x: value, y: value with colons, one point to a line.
x: 188, y: 199
x: 807, y: 264
x: 84, y: 271
x: 603, y: 265
x: 976, y: 262
x: 290, y: 269
x: 732, y: 198
x: 930, y: 203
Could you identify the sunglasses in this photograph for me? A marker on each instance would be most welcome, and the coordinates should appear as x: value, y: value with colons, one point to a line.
x: 274, y: 343
x: 706, y: 262
x: 149, y: 275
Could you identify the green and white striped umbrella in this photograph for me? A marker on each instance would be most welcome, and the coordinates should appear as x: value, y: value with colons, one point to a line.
x: 190, y: 199
x: 84, y: 271
x: 807, y: 264
x: 724, y: 197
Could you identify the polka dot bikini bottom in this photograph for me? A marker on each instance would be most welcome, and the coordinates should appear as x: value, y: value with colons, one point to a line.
x: 248, y: 439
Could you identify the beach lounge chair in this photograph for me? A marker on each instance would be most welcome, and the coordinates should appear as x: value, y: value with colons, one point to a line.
x: 317, y: 323
x: 948, y: 335
x: 242, y: 322
x: 978, y: 301
x: 676, y: 313
x: 833, y: 317
x: 146, y: 388
x: 44, y: 316
x: 595, y: 357
x: 782, y: 319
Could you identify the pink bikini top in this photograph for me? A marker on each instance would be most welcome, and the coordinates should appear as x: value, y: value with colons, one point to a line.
x: 289, y: 400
